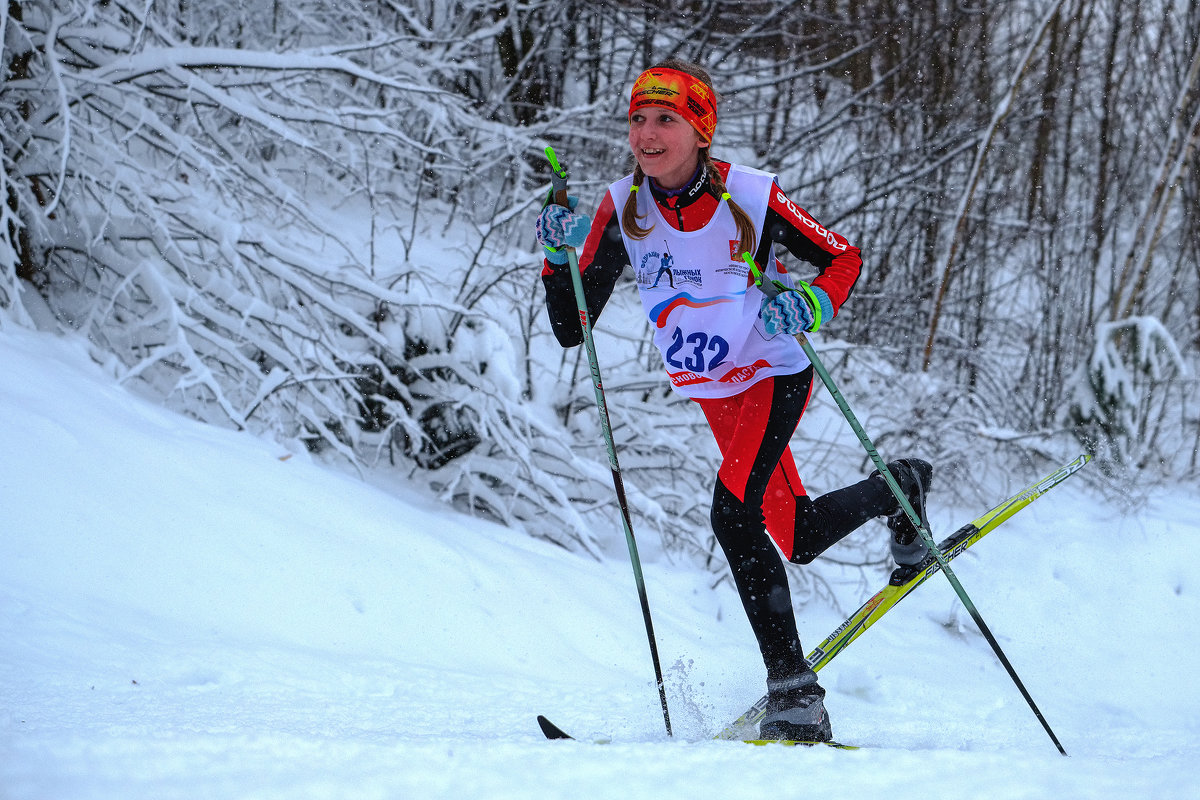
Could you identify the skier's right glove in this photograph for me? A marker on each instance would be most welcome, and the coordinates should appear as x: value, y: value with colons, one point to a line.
x: 558, y: 227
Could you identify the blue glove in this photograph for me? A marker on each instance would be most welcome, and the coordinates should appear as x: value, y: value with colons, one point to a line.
x: 795, y: 311
x: 558, y: 227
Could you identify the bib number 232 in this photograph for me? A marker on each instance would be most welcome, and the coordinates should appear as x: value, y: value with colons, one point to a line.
x: 697, y: 351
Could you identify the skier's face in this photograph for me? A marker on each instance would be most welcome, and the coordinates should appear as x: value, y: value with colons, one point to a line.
x: 666, y: 147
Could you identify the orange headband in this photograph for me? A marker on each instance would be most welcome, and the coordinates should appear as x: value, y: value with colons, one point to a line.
x: 680, y: 92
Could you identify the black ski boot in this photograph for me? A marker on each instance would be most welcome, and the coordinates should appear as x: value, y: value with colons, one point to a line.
x: 796, y: 710
x: 914, y: 477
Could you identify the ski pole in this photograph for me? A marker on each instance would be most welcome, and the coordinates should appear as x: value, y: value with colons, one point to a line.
x: 771, y: 290
x: 558, y: 183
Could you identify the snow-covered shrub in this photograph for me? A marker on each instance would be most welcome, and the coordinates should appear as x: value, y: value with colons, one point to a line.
x: 1134, y: 382
x: 312, y: 220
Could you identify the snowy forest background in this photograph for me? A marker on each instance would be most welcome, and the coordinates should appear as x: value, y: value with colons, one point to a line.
x: 312, y: 220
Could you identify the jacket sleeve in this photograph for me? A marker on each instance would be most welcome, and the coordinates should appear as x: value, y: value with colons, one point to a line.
x: 838, y: 262
x: 601, y: 262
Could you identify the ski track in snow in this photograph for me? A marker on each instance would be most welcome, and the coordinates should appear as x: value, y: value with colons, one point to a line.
x: 186, y: 615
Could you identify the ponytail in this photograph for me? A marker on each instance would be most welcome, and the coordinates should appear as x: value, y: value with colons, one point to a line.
x: 629, y: 215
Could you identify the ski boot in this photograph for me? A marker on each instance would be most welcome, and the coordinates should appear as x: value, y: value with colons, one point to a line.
x: 914, y: 477
x: 796, y: 710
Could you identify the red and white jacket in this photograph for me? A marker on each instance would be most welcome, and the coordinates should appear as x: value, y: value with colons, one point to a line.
x: 695, y: 288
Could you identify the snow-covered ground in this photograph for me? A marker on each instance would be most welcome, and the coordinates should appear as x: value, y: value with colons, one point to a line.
x: 187, y: 612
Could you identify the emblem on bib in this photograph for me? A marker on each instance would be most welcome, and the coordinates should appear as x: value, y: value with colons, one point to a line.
x: 658, y: 271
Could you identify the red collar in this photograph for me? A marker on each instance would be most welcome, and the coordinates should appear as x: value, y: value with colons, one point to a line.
x: 691, y: 207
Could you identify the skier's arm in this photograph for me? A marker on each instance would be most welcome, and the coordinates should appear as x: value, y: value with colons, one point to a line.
x: 837, y: 261
x: 601, y: 261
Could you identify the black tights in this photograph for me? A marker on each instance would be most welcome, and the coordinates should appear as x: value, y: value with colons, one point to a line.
x: 757, y: 567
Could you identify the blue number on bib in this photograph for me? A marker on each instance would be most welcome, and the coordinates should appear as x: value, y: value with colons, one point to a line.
x: 694, y: 359
x: 720, y: 349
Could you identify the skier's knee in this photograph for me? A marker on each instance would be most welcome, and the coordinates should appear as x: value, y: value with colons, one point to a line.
x: 803, y: 556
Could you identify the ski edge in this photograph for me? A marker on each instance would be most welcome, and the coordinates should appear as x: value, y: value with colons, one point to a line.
x: 800, y: 743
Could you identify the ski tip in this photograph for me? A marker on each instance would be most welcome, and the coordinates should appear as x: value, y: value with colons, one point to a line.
x: 551, y: 730
x: 799, y: 743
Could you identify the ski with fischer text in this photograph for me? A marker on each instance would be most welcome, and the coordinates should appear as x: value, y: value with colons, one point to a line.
x: 903, y: 581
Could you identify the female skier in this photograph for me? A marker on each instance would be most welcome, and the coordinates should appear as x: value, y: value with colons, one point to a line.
x: 684, y: 221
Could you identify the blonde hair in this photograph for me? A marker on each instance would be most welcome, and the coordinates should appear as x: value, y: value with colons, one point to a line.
x: 747, y: 235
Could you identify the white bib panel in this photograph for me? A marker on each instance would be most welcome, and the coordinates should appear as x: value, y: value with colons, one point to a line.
x: 703, y: 309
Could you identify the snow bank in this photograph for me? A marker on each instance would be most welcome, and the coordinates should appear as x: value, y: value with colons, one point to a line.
x: 189, y: 612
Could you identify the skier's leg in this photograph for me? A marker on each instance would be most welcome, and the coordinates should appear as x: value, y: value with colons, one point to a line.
x: 752, y: 430
x: 823, y: 522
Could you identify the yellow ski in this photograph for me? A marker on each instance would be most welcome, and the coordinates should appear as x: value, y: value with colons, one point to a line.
x: 903, y: 581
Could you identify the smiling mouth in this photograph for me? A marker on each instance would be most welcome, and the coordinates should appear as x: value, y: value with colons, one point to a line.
x: 658, y: 152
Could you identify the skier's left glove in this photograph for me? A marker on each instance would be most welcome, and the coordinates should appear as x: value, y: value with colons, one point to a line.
x: 558, y: 227
x: 795, y: 310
